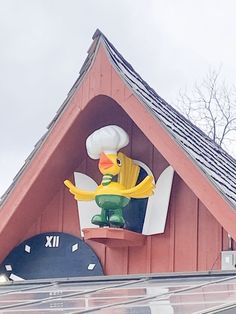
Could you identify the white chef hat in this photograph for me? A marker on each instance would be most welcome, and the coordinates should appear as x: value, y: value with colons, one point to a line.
x: 109, y: 139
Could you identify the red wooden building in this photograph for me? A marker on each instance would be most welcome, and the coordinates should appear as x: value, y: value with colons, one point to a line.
x: 201, y: 213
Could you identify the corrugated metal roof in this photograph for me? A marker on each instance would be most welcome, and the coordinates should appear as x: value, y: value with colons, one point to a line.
x: 217, y: 165
x: 140, y: 294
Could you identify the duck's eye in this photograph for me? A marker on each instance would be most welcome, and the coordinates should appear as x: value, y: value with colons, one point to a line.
x: 118, y: 162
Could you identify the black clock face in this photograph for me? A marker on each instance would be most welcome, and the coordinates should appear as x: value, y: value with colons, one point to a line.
x: 51, y: 255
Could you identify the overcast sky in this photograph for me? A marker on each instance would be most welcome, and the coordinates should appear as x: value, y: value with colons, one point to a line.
x: 43, y: 43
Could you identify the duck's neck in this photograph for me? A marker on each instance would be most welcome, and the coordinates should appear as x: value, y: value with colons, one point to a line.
x: 106, y: 179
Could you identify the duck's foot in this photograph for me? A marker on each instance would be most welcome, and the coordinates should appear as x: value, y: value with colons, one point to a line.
x: 99, y: 220
x: 116, y: 221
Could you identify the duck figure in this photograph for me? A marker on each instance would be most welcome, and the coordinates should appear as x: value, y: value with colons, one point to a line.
x: 119, y: 179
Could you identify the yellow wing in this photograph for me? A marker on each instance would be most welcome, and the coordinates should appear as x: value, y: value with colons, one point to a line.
x: 143, y: 189
x: 79, y: 195
x: 129, y: 171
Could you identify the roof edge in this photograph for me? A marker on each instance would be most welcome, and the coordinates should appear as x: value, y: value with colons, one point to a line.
x: 97, y: 33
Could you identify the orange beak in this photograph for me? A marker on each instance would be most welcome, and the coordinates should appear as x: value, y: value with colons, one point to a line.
x: 105, y: 162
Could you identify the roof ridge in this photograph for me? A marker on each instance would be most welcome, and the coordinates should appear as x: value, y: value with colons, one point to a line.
x: 97, y: 33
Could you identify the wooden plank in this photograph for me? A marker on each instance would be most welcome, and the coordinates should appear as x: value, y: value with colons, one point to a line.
x: 76, y: 99
x: 85, y: 86
x: 105, y: 73
x: 185, y: 227
x: 159, y: 163
x: 137, y: 263
x: 70, y: 214
x: 226, y: 242
x: 148, y: 254
x: 95, y: 74
x: 209, y: 240
x: 50, y: 216
x: 61, y: 209
x: 172, y: 229
x: 118, y: 89
x: 142, y: 148
x: 162, y: 251
x: 116, y: 261
x: 35, y: 229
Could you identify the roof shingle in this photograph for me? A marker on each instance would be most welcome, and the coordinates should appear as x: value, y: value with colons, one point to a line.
x: 217, y: 164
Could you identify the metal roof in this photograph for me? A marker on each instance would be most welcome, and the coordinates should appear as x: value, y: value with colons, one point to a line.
x: 217, y: 165
x: 141, y: 294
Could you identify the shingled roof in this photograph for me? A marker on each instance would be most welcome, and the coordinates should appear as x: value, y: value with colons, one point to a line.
x: 217, y: 165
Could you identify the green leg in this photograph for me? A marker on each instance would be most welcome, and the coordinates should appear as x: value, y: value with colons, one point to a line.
x: 116, y: 219
x: 101, y: 220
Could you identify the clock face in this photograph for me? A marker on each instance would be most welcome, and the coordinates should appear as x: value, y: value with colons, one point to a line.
x: 51, y: 255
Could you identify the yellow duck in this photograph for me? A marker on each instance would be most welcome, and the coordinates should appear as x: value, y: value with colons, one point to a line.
x: 119, y: 179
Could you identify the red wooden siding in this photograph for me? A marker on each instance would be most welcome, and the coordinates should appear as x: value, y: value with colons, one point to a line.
x: 193, y: 238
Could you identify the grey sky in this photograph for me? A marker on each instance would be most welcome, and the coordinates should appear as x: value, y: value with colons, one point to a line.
x: 43, y: 44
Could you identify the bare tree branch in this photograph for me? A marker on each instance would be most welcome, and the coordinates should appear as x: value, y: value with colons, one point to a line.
x: 211, y: 105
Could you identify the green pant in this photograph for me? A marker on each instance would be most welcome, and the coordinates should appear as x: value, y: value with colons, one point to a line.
x: 111, y: 210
